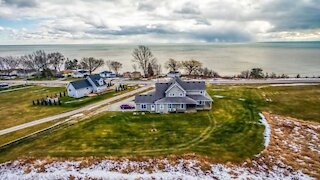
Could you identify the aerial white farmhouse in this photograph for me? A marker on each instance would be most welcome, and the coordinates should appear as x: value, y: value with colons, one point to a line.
x: 175, y: 96
x: 81, y: 88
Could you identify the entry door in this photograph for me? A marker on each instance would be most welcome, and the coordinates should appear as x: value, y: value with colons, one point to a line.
x: 153, y: 107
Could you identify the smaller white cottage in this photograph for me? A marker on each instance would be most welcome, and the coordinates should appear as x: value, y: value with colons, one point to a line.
x: 173, y: 74
x: 81, y: 88
x: 107, y: 74
x: 80, y: 73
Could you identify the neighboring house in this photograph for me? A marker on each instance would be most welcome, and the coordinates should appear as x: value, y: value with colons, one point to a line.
x: 14, y: 73
x: 126, y: 75
x: 81, y: 88
x: 173, y: 74
x: 80, y: 73
x: 67, y: 72
x: 175, y: 96
x: 136, y: 75
x: 107, y: 74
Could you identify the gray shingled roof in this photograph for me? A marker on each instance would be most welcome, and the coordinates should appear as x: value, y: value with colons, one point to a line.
x: 84, y: 83
x: 161, y: 88
x: 144, y: 98
x: 176, y: 100
x: 190, y: 85
x: 95, y: 78
x: 199, y: 98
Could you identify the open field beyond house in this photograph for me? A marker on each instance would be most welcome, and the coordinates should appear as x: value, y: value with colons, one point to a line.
x: 16, y: 106
x: 230, y: 132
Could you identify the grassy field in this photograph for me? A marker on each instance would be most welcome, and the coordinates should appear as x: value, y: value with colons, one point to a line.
x: 229, y: 132
x: 16, y: 107
x: 302, y: 102
x: 14, y: 87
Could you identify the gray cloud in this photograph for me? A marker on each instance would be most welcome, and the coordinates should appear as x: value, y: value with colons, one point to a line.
x: 146, y: 6
x: 292, y: 15
x: 188, y: 8
x: 167, y: 20
x: 21, y: 3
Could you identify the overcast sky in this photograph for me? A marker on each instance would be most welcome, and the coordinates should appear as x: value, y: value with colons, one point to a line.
x: 157, y: 21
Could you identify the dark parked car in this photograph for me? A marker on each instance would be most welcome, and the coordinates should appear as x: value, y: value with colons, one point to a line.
x: 127, y: 106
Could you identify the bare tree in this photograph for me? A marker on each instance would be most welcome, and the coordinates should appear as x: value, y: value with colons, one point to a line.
x: 115, y: 66
x: 56, y: 60
x: 191, y: 66
x: 71, y: 64
x: 143, y: 57
x: 173, y: 65
x: 91, y: 64
x: 134, y: 66
x: 2, y: 63
x: 150, y: 70
x: 9, y: 63
x: 108, y: 63
x: 245, y: 74
x: 38, y: 61
x: 157, y: 69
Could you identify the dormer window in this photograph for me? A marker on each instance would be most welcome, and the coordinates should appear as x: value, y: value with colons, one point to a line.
x: 201, y: 92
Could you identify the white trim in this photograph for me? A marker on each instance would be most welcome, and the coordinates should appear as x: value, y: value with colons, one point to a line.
x: 175, y: 84
x: 143, y: 106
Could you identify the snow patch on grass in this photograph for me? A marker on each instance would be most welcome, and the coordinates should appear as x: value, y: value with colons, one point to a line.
x: 267, y: 130
x: 125, y: 169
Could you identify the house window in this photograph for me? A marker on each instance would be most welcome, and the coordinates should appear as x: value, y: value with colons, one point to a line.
x: 172, y: 94
x: 170, y: 106
x: 69, y: 90
x: 143, y: 106
x: 181, y: 94
x: 200, y: 102
x: 161, y: 106
x: 182, y: 106
x: 201, y: 92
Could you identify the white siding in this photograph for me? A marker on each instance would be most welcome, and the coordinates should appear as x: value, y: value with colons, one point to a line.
x: 78, y: 93
x: 176, y: 91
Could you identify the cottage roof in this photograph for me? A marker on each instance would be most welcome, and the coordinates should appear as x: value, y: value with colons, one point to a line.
x: 95, y: 78
x: 84, y: 83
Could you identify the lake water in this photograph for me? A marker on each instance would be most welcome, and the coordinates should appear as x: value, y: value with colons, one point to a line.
x: 227, y: 59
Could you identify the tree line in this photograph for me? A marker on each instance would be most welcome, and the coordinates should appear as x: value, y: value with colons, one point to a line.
x: 257, y: 73
x: 50, y: 64
x: 145, y: 60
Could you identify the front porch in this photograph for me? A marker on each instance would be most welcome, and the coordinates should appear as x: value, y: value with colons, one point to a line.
x: 205, y: 105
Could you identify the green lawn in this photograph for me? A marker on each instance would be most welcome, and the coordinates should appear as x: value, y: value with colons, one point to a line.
x: 14, y: 87
x: 302, y: 102
x: 229, y: 132
x: 16, y: 107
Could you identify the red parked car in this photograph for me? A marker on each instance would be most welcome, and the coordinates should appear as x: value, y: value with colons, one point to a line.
x: 127, y: 106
